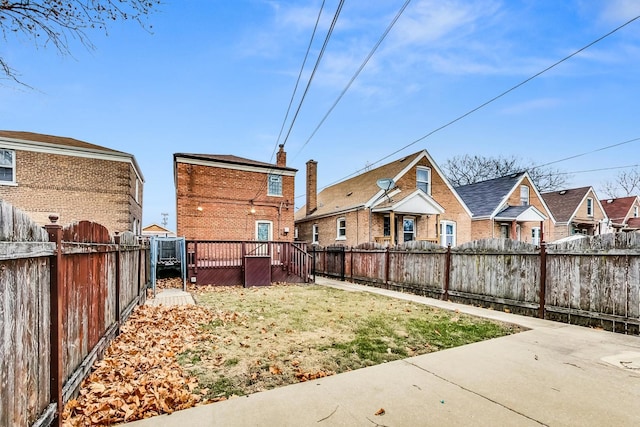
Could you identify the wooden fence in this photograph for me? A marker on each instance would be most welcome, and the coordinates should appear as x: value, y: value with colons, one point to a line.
x: 63, y: 295
x: 593, y: 281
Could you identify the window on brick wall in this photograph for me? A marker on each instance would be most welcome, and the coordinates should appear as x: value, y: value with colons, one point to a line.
x: 275, y: 185
x: 423, y: 179
x: 316, y: 234
x: 341, y: 225
x: 7, y: 166
x: 137, y: 190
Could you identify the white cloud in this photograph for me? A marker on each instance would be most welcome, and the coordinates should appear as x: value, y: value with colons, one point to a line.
x: 533, y: 105
x: 618, y: 11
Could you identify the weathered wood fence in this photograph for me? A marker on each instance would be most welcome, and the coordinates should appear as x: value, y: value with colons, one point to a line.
x: 593, y: 281
x: 63, y: 295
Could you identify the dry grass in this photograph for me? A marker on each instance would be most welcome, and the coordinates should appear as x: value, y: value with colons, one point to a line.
x: 283, y: 334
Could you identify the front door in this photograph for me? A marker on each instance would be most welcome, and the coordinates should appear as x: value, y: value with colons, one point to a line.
x: 535, y: 236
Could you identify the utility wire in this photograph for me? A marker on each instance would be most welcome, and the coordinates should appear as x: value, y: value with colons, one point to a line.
x: 495, y: 98
x: 315, y: 68
x: 295, y: 89
x: 364, y: 63
x: 584, y: 154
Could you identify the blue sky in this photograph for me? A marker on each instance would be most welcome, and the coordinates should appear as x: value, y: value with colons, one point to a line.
x: 216, y: 77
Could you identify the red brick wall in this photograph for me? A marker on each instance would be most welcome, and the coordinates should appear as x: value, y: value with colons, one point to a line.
x: 75, y: 188
x: 225, y: 197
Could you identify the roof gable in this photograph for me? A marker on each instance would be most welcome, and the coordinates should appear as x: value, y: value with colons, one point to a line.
x: 619, y: 209
x: 564, y: 204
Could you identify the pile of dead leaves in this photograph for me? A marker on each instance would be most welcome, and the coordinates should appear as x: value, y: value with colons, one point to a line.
x: 139, y: 376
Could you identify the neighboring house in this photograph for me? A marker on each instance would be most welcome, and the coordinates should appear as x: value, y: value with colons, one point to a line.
x: 576, y: 211
x: 624, y: 213
x: 224, y: 197
x: 157, y: 230
x: 76, y: 180
x: 407, y: 199
x: 508, y: 207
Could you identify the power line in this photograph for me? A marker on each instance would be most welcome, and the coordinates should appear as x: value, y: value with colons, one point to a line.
x: 495, y: 98
x: 295, y: 89
x: 584, y: 154
x: 315, y: 68
x: 357, y: 73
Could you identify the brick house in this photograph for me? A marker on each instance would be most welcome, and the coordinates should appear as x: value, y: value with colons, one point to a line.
x: 576, y: 211
x: 225, y: 197
x: 508, y: 207
x: 45, y: 174
x: 623, y: 212
x: 407, y: 199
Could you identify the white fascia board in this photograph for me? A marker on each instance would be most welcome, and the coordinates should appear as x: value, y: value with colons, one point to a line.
x: 66, y: 150
x: 245, y: 168
x: 377, y: 199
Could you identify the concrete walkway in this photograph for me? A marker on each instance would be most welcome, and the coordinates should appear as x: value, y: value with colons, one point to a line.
x: 553, y: 374
x: 171, y: 297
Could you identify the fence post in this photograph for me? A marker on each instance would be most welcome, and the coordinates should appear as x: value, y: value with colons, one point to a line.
x: 56, y: 302
x: 387, y: 264
x: 344, y: 261
x: 447, y: 273
x: 351, y: 263
x: 543, y: 278
x: 116, y: 239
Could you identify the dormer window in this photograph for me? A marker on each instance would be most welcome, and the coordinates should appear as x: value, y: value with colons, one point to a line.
x: 524, y: 195
x: 423, y: 179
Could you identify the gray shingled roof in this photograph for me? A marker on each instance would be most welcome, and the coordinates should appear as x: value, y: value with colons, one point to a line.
x: 483, y: 197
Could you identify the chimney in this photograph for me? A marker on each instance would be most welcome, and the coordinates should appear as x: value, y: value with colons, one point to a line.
x: 312, y: 186
x: 281, y: 157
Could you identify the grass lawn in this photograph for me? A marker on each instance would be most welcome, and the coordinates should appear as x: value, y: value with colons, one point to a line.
x: 262, y: 338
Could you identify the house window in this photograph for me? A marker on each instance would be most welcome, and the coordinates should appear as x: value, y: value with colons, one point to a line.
x: 264, y: 231
x: 635, y: 212
x: 316, y: 234
x: 295, y: 233
x: 423, y: 179
x: 275, y: 185
x: 589, y: 207
x: 524, y: 195
x: 137, y: 191
x: 447, y: 233
x: 341, y: 226
x: 409, y: 229
x: 7, y: 166
x: 386, y: 226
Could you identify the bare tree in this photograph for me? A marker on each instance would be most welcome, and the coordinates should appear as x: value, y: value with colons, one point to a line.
x: 468, y: 169
x: 56, y: 22
x: 626, y: 183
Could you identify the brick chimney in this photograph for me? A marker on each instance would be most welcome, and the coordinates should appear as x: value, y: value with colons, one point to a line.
x: 312, y: 186
x: 281, y: 157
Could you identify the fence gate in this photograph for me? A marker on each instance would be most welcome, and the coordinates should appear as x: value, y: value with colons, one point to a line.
x: 335, y: 262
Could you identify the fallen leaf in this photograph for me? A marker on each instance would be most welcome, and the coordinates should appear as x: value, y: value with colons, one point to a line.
x: 380, y: 411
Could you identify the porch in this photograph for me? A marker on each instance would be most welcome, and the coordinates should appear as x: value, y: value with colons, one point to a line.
x: 247, y: 263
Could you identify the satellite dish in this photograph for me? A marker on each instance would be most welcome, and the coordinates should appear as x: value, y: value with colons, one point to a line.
x: 385, y: 184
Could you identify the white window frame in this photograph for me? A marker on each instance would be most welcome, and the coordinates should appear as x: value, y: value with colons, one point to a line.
x: 271, y: 178
x: 315, y: 234
x: 137, y: 198
x: 419, y: 181
x: 413, y: 231
x: 635, y: 212
x: 589, y: 206
x: 270, y: 223
x: 443, y: 235
x: 341, y: 230
x: 13, y: 167
x: 524, y: 195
